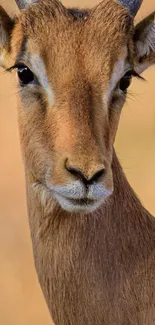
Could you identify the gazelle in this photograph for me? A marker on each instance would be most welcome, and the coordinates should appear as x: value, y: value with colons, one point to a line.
x: 93, y: 242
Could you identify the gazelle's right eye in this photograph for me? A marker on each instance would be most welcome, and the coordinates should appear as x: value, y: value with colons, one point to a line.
x: 126, y: 81
x: 25, y: 75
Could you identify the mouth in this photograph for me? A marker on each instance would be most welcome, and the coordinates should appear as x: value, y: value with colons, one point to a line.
x: 84, y: 205
x: 82, y: 201
x: 74, y: 198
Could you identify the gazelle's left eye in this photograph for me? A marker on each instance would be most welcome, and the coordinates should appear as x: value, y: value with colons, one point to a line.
x: 126, y: 81
x: 25, y: 75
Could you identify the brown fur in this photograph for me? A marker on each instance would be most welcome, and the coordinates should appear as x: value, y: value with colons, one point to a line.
x: 96, y: 268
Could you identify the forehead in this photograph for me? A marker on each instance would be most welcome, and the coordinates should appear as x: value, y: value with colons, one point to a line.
x: 71, y: 38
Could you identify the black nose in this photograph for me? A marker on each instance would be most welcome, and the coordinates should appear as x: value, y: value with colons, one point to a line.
x: 82, y: 176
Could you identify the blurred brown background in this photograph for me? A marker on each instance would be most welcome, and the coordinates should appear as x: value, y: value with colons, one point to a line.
x: 21, y: 300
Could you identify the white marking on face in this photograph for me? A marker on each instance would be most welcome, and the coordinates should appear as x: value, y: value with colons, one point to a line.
x: 2, y: 59
x: 69, y: 206
x: 75, y: 190
x: 69, y: 194
x: 120, y: 68
x: 40, y: 71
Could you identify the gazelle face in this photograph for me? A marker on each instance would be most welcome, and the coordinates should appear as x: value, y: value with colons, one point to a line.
x: 73, y: 74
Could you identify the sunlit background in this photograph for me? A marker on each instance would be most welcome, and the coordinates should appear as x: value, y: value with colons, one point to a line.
x: 21, y: 300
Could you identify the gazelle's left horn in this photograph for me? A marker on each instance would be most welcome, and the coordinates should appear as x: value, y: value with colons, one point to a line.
x: 23, y: 3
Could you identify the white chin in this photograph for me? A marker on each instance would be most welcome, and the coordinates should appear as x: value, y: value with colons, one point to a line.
x: 75, y: 206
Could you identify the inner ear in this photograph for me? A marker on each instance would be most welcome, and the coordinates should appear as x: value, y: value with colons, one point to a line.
x: 6, y: 27
x: 144, y: 41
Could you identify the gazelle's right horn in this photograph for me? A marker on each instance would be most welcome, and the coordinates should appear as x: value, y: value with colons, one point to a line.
x: 132, y: 5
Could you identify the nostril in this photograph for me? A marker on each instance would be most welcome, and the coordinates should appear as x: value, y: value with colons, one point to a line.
x: 75, y: 171
x: 72, y: 170
x: 82, y: 176
x: 97, y: 175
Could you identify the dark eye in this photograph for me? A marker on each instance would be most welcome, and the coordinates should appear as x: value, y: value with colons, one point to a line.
x: 126, y: 81
x: 25, y: 75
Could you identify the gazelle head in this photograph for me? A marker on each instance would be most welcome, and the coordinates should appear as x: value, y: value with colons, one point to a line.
x: 74, y: 68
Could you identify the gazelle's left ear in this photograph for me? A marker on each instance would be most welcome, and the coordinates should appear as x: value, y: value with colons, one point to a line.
x: 144, y: 40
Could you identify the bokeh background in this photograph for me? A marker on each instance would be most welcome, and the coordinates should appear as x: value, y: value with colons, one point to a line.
x: 21, y: 300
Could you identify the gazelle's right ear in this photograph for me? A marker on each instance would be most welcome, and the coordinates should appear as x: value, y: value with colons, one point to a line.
x: 6, y: 26
x: 144, y: 42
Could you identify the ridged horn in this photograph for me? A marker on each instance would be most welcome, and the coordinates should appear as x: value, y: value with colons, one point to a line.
x: 132, y: 5
x: 24, y: 3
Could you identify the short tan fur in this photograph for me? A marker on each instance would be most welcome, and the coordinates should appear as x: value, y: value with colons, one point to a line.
x: 93, y: 242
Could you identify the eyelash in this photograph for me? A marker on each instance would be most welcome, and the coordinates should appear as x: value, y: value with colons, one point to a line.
x: 136, y: 75
x: 16, y: 66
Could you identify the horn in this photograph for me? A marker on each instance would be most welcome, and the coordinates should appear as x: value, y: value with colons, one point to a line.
x: 23, y: 3
x: 132, y: 5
